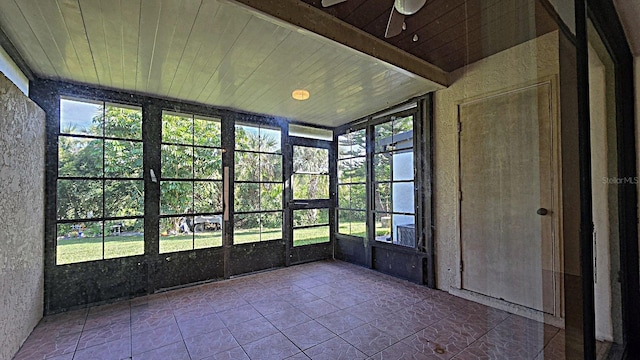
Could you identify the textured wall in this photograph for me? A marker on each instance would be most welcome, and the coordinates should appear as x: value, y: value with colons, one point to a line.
x: 519, y: 65
x: 22, y: 144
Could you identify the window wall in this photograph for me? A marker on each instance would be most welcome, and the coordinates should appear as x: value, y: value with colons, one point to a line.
x: 191, y: 185
x: 393, y: 182
x: 352, y: 183
x: 100, y: 192
x: 310, y: 181
x: 258, y: 184
x: 391, y: 187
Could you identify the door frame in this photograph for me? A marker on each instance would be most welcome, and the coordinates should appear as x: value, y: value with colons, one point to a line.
x: 306, y: 253
x: 604, y: 17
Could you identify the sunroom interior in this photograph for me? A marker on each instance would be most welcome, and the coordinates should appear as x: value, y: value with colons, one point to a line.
x: 155, y: 149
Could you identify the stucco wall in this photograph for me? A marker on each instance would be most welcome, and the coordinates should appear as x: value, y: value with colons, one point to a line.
x: 22, y: 145
x: 519, y: 65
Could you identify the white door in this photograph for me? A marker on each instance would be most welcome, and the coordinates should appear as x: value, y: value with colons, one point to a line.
x: 506, y: 197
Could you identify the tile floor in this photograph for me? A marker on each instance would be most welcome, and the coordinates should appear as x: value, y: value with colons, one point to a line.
x: 324, y: 310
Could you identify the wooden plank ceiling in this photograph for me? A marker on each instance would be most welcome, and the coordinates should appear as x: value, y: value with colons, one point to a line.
x: 204, y: 51
x: 217, y: 52
x: 451, y: 33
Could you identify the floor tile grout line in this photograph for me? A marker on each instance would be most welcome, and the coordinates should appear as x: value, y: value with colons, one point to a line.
x: 181, y: 335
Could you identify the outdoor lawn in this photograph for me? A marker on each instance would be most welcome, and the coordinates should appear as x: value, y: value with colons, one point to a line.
x: 74, y: 250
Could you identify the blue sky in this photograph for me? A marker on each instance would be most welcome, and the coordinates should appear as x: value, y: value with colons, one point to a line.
x: 78, y: 114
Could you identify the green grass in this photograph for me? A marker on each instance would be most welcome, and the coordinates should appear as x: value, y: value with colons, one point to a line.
x: 75, y: 250
x: 358, y: 228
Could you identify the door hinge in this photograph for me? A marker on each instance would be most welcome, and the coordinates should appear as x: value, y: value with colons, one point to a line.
x: 461, y: 266
x: 459, y: 195
x: 459, y: 127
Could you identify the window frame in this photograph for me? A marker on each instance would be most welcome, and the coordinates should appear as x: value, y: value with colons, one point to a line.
x: 374, y: 182
x: 233, y: 183
x: 78, y: 223
x: 350, y: 184
x: 189, y: 216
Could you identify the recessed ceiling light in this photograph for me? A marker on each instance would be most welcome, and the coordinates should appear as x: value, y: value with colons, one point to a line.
x: 300, y: 94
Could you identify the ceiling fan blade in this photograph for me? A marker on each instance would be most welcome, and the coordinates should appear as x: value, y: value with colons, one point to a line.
x: 327, y: 3
x: 394, y: 26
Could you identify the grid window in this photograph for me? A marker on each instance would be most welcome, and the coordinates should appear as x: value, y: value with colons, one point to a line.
x: 191, y: 184
x: 310, y: 173
x: 258, y: 186
x: 393, y: 182
x: 310, y: 226
x: 100, y: 190
x: 352, y: 184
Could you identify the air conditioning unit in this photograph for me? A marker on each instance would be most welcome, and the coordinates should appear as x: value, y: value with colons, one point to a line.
x: 407, y: 235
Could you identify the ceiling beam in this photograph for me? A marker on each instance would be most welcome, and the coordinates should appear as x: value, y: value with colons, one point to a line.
x: 305, y: 16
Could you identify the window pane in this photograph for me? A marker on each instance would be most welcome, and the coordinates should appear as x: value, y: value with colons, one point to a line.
x: 207, y: 196
x: 310, y: 160
x: 271, y: 226
x: 270, y: 140
x: 175, y: 234
x: 352, y: 145
x: 307, y: 186
x: 344, y: 176
x: 344, y: 196
x: 175, y: 197
x: 177, y: 162
x: 247, y: 138
x: 79, y: 157
x: 207, y: 132
x: 80, y: 117
x: 314, y: 235
x: 382, y: 198
x: 246, y: 228
x: 207, y: 163
x: 358, y: 170
x: 123, y: 159
x: 344, y: 146
x: 79, y: 199
x: 359, y: 143
x: 359, y: 196
x: 247, y: 197
x: 402, y: 126
x: 207, y: 239
x: 383, y: 136
x: 270, y: 196
x: 352, y: 170
x: 207, y: 231
x: 403, y: 197
x: 123, y: 238
x: 121, y: 122
x: 270, y: 167
x: 352, y: 223
x: 124, y: 198
x: 310, y: 217
x: 177, y: 129
x: 207, y: 223
x: 403, y: 166
x: 382, y: 167
x: 383, y: 227
x: 404, y: 230
x: 247, y: 166
x: 79, y: 242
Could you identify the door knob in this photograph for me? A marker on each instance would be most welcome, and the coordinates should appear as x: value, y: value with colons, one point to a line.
x: 542, y: 211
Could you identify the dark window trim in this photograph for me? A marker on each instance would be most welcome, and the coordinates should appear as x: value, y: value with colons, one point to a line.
x: 422, y: 144
x: 605, y: 19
